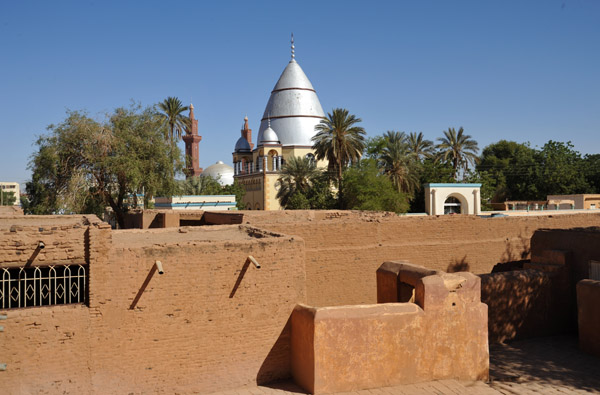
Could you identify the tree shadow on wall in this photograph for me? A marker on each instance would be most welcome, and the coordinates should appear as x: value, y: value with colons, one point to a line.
x: 518, y: 253
x: 524, y: 304
x: 458, y: 265
x: 275, y: 371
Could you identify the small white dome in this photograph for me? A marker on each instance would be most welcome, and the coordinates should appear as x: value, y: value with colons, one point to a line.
x: 220, y: 171
x: 242, y: 145
x: 269, y: 137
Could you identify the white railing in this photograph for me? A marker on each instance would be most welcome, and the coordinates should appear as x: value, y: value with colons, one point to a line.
x: 42, y: 286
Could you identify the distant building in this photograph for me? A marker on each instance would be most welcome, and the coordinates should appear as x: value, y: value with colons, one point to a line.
x: 220, y: 172
x: 192, y: 139
x: 13, y: 187
x: 196, y: 202
x: 442, y: 198
x: 286, y: 129
x: 577, y: 202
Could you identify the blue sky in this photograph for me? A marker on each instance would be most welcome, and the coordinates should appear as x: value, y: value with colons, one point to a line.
x: 516, y: 70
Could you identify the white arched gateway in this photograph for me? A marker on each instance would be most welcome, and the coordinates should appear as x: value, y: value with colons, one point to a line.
x: 443, y: 199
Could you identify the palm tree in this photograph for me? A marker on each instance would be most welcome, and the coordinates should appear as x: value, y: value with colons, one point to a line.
x: 458, y: 148
x: 400, y: 165
x: 393, y: 136
x: 340, y: 141
x: 172, y: 113
x: 296, y: 175
x: 418, y: 146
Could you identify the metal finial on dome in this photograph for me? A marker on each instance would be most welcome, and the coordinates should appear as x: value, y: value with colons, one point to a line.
x: 293, y: 54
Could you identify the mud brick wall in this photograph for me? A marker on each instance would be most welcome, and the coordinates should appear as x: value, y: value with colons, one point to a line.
x: 47, y: 349
x: 193, y: 330
x: 344, y: 249
x: 523, y: 304
x: 588, y: 295
x: 64, y: 242
x: 212, y: 321
x: 583, y: 243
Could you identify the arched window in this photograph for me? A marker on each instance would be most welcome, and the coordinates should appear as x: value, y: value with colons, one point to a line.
x: 310, y: 157
x: 271, y: 160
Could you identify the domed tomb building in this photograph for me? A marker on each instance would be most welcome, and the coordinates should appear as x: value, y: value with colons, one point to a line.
x: 286, y: 129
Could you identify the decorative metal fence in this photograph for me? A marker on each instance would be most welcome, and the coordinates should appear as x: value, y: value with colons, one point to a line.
x: 42, y: 286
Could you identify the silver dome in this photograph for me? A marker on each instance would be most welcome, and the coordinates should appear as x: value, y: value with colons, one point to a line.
x: 293, y: 108
x: 221, y: 172
x: 242, y: 145
x: 269, y: 137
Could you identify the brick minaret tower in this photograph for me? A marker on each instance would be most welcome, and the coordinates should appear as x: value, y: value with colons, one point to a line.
x: 191, y: 138
x: 247, y: 133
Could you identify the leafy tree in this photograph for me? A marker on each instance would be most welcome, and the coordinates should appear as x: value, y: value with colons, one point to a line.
x: 83, y: 165
x: 458, y: 149
x: 297, y: 201
x: 172, y: 114
x: 432, y: 171
x: 419, y: 147
x: 200, y: 185
x: 296, y: 178
x: 591, y: 171
x: 239, y: 192
x: 559, y: 170
x: 8, y: 198
x: 374, y: 147
x: 512, y: 168
x: 399, y: 164
x: 367, y: 189
x: 340, y: 141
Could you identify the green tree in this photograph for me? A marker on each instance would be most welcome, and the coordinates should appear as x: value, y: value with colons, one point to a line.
x: 8, y: 198
x: 432, y: 171
x: 172, y: 114
x: 83, y: 165
x: 367, y: 189
x: 591, y: 171
x: 200, y: 185
x: 374, y: 147
x: 340, y: 141
x: 559, y: 170
x: 239, y: 192
x: 398, y: 163
x: 458, y: 149
x: 420, y: 147
x: 512, y: 167
x: 296, y: 178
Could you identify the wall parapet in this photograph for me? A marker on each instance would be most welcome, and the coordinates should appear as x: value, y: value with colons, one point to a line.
x: 442, y: 335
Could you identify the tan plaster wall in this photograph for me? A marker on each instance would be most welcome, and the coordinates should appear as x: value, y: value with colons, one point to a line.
x: 371, y: 346
x: 64, y: 238
x: 344, y: 249
x: 582, y: 242
x: 189, y: 332
x: 520, y: 305
x: 588, y: 295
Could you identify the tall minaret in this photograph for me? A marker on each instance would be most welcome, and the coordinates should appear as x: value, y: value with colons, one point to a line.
x: 247, y: 133
x: 191, y: 139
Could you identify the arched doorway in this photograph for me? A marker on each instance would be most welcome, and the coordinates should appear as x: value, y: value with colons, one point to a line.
x: 452, y: 206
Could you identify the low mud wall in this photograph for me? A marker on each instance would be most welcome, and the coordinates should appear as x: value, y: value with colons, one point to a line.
x: 212, y: 321
x: 344, y: 249
x: 443, y: 335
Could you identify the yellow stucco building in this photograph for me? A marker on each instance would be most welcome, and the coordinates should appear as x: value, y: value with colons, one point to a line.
x: 286, y: 129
